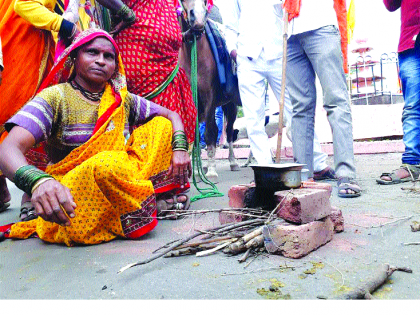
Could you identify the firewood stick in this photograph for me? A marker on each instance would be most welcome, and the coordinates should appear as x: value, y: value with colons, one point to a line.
x: 240, y: 224
x: 245, y: 256
x: 235, y: 248
x: 231, y: 227
x: 255, y: 242
x: 189, y: 250
x: 182, y: 252
x: 211, y: 251
x: 251, y: 235
x: 364, y: 290
x: 248, y: 239
x: 412, y: 243
x: 213, y: 240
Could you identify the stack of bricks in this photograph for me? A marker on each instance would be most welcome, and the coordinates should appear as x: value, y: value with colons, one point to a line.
x: 309, y: 219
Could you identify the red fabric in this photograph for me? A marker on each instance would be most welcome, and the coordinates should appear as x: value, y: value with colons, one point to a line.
x: 410, y: 21
x: 6, y: 229
x: 341, y: 11
x: 149, y: 50
x: 144, y: 229
x: 104, y: 117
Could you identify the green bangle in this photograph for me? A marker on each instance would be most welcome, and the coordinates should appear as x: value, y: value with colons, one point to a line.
x: 126, y: 14
x: 26, y: 177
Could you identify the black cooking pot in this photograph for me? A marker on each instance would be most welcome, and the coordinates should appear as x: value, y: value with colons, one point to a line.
x: 278, y: 176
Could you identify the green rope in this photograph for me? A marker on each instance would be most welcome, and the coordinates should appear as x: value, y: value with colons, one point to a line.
x: 211, y: 191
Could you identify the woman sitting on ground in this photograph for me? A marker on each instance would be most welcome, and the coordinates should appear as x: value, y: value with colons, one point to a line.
x: 103, y: 183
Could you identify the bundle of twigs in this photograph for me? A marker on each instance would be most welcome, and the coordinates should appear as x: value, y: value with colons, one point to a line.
x: 232, y: 238
x: 246, y: 212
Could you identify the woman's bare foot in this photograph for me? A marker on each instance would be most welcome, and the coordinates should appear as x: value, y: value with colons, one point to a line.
x: 168, y: 205
x: 27, y: 210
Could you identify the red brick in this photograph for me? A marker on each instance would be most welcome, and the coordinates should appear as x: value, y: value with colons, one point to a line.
x: 316, y: 185
x: 230, y: 217
x: 237, y: 195
x: 337, y: 219
x: 303, y: 205
x: 296, y: 241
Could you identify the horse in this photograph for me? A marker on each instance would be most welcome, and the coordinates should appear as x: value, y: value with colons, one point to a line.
x: 192, y: 21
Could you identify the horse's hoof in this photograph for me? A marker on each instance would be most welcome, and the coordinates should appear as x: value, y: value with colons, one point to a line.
x: 234, y: 167
x: 244, y: 165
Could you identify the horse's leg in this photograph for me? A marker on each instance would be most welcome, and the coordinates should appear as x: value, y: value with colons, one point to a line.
x: 211, y: 139
x: 230, y: 110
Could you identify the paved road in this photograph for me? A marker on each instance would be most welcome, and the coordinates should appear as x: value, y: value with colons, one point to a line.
x: 31, y: 269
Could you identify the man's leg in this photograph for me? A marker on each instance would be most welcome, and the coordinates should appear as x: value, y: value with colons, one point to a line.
x: 410, y: 78
x: 323, y: 49
x: 320, y: 158
x: 219, y: 122
x: 251, y: 88
x: 202, y: 130
x: 302, y: 91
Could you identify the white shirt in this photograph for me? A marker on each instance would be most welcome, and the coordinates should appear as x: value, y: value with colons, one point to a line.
x: 252, y: 26
x: 313, y: 14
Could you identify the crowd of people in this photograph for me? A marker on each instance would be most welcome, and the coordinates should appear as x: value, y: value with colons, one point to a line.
x: 96, y: 132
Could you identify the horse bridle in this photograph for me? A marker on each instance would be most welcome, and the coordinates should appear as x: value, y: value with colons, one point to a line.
x: 196, y: 32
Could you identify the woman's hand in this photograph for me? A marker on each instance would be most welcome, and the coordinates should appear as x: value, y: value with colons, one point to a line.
x: 123, y: 24
x: 180, y: 167
x: 51, y: 199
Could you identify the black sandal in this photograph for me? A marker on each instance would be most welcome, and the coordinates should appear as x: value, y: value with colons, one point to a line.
x: 28, y: 211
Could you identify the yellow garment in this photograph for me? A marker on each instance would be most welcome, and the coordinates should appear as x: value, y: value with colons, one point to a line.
x: 40, y: 13
x: 351, y: 19
x: 109, y: 181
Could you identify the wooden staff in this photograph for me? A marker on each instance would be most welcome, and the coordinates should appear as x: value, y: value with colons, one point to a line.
x: 283, y: 86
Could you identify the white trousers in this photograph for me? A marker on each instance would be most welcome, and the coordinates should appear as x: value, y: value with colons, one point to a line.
x: 251, y: 76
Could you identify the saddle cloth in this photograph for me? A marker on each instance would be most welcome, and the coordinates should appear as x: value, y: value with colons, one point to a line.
x: 227, y: 78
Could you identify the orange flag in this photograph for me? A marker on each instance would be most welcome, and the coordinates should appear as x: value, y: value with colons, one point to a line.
x: 292, y: 7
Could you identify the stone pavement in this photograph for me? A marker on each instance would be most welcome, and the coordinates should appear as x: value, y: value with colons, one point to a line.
x: 376, y: 225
